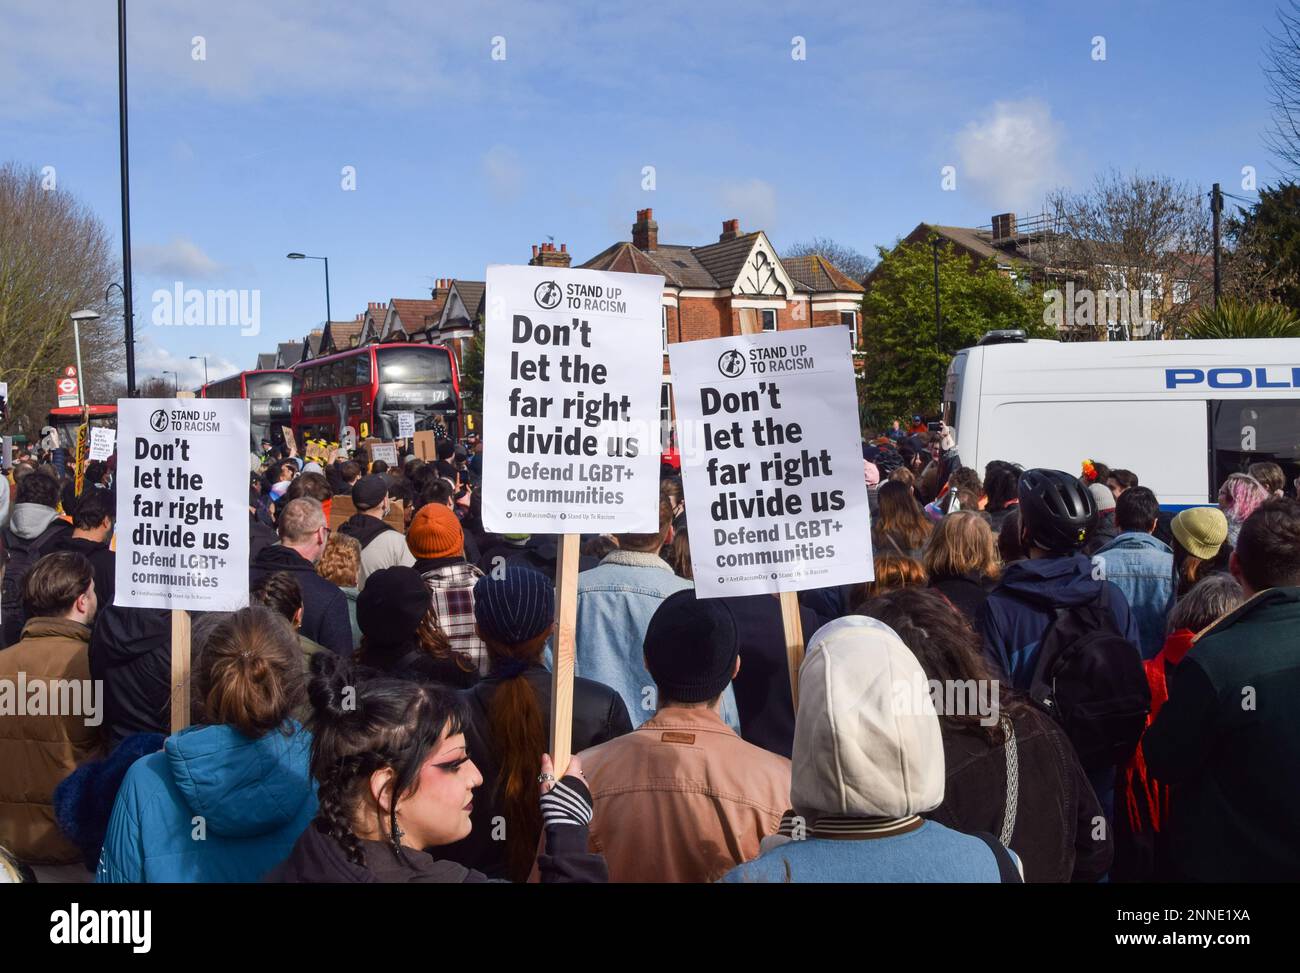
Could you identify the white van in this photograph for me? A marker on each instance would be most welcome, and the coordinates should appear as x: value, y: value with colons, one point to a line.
x: 1182, y: 415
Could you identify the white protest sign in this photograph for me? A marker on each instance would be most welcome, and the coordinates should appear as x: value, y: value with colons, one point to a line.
x: 405, y: 425
x: 776, y: 499
x: 182, y: 504
x: 572, y: 369
x: 102, y: 442
x: 384, y: 451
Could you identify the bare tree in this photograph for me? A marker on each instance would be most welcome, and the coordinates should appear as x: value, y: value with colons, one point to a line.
x: 1283, y: 74
x: 846, y: 259
x: 55, y: 258
x: 1139, y: 249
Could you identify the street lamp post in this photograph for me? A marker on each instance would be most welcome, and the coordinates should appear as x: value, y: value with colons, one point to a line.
x: 128, y: 312
x: 305, y: 256
x: 205, y: 366
x: 77, y: 318
x: 176, y: 380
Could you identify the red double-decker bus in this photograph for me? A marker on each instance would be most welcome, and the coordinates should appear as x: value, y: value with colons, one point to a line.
x: 268, y: 392
x: 365, y: 388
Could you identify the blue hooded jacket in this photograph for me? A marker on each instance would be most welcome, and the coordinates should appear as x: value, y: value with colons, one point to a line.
x: 254, y: 798
x: 1021, y: 607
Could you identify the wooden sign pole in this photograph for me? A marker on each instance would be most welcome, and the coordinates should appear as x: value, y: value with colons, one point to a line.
x: 180, y: 669
x: 562, y: 655
x: 790, y: 620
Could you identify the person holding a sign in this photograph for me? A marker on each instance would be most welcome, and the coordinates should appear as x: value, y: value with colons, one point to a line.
x: 509, y: 712
x: 395, y: 779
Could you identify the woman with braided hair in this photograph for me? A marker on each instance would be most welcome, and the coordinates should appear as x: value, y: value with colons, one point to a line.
x: 224, y: 800
x: 396, y: 783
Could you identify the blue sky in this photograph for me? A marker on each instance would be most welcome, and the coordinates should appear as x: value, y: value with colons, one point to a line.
x: 462, y: 160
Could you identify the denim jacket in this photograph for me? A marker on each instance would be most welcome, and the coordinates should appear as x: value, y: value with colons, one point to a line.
x: 1142, y: 566
x: 615, y: 602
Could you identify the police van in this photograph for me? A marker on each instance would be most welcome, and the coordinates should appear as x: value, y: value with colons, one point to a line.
x: 1182, y: 415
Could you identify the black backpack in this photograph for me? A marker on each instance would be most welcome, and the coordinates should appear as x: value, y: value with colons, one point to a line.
x: 1091, y: 679
x: 20, y: 555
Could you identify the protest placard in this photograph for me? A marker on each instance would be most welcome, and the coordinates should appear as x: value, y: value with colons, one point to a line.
x: 405, y: 425
x: 182, y: 516
x: 290, y: 440
x: 182, y: 504
x: 382, y: 451
x: 425, y: 445
x: 572, y: 369
x: 102, y: 442
x: 772, y: 470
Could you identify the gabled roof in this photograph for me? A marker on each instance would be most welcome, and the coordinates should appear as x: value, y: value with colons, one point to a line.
x: 724, y: 260
x: 413, y: 315
x: 288, y: 353
x: 472, y: 294
x: 266, y: 360
x: 342, y: 335
x: 819, y: 275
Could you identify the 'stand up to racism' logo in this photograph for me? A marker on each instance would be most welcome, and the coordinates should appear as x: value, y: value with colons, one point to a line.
x: 548, y: 294
x: 158, y: 421
x: 731, y: 363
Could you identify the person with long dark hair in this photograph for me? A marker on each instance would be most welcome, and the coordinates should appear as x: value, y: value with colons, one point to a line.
x: 400, y: 634
x: 396, y: 784
x: 902, y: 527
x: 509, y: 716
x: 1010, y: 769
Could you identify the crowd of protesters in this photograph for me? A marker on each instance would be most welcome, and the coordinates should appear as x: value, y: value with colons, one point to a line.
x: 1104, y: 691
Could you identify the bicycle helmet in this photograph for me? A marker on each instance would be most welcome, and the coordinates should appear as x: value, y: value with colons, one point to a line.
x: 1056, y: 510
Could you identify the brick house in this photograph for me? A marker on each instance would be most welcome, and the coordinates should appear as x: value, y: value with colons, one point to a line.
x: 708, y: 288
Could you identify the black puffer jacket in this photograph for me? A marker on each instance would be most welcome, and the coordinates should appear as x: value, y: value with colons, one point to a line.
x: 131, y: 651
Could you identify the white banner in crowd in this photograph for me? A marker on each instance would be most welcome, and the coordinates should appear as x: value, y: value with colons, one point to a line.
x: 572, y: 372
x: 405, y: 425
x: 182, y: 504
x: 776, y: 499
x: 384, y: 451
x: 102, y: 442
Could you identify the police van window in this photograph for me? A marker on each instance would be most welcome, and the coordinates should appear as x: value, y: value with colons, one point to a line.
x: 1245, y: 431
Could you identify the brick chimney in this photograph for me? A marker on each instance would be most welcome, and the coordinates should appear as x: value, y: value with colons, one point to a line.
x: 730, y: 230
x: 545, y: 255
x: 1004, y: 227
x: 645, y: 231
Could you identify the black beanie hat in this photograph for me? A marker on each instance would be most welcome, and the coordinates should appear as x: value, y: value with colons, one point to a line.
x: 392, y: 605
x: 691, y: 647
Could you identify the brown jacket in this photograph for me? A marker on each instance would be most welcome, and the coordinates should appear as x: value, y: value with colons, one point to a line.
x: 682, y: 798
x: 38, y: 751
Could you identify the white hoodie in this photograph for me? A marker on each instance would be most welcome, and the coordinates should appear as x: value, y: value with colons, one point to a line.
x: 866, y: 738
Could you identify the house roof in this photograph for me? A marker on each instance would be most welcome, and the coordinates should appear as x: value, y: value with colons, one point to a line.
x: 725, y: 259
x: 289, y: 353
x: 818, y: 274
x: 417, y: 315
x: 343, y: 333
x: 472, y: 294
x: 266, y: 360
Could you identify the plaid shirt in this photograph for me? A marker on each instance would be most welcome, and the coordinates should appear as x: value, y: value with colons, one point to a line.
x: 451, y: 584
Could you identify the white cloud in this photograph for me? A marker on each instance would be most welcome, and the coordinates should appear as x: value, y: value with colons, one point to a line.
x: 1011, y: 155
x: 752, y: 202
x: 504, y: 171
x: 152, y: 359
x: 180, y: 259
